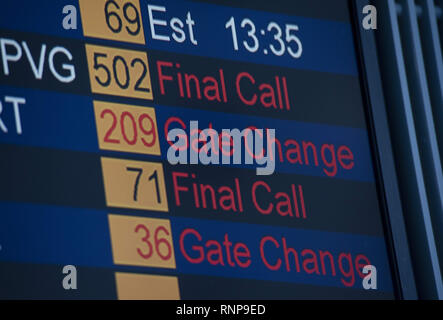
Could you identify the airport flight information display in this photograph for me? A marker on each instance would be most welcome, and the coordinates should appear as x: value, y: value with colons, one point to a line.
x: 91, y: 181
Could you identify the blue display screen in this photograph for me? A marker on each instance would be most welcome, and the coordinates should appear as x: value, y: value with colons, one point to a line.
x: 120, y: 167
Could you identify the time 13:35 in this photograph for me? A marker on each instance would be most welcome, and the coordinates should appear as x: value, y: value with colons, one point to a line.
x: 285, y: 40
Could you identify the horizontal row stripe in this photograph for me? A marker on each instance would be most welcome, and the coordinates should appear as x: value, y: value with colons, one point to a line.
x: 327, y: 45
x: 55, y: 235
x: 67, y: 122
x: 75, y: 179
x: 44, y: 281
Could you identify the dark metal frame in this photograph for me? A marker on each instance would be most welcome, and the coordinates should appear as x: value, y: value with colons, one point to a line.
x: 378, y: 130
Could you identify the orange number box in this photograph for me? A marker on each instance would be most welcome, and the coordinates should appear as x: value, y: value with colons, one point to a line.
x: 146, y: 287
x: 118, y: 20
x: 126, y: 128
x: 119, y: 72
x: 141, y: 241
x: 134, y: 184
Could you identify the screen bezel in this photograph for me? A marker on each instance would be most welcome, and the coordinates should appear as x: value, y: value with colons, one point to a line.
x: 382, y: 154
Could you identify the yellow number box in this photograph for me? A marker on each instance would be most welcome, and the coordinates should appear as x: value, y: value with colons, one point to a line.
x: 126, y: 128
x: 119, y: 20
x: 119, y: 72
x: 146, y: 287
x: 141, y: 241
x: 134, y: 184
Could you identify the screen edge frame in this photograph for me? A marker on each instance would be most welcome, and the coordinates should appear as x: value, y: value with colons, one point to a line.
x: 384, y: 166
